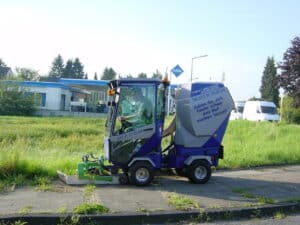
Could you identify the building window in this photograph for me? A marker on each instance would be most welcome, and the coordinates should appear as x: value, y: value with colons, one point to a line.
x: 40, y: 99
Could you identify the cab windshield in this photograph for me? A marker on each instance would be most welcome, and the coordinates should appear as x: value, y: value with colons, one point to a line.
x: 136, y: 107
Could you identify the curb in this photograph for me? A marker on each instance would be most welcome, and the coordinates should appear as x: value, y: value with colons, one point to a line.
x: 148, y: 218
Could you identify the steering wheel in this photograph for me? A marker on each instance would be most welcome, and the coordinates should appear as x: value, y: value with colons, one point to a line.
x: 125, y: 125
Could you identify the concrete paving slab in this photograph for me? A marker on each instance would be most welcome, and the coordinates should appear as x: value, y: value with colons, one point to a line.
x: 132, y: 199
x: 27, y: 200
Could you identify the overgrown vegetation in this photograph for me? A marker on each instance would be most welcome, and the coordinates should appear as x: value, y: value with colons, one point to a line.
x: 32, y: 149
x: 18, y: 222
x: 14, y: 100
x: 279, y: 215
x: 289, y: 114
x: 259, y: 199
x: 90, y: 204
x: 181, y: 202
x: 90, y: 208
x: 249, y: 144
x: 88, y: 192
x: 25, y: 210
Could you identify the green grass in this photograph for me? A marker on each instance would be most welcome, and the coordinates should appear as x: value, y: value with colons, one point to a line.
x: 243, y: 193
x: 33, y: 148
x: 249, y: 144
x: 259, y: 199
x: 89, y: 191
x: 90, y: 208
x: 18, y: 222
x: 292, y: 200
x: 279, y: 215
x: 181, y: 202
x: 25, y: 210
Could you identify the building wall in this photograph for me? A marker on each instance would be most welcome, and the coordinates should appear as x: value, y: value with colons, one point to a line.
x: 68, y: 95
x: 53, y: 97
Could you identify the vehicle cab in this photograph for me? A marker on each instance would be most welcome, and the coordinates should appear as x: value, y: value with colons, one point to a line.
x: 135, y: 122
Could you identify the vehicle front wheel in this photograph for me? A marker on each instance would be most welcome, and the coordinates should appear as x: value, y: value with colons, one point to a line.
x: 199, y: 171
x: 123, y: 178
x: 141, y: 173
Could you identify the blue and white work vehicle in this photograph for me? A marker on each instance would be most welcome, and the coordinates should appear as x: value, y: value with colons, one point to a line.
x: 134, y: 131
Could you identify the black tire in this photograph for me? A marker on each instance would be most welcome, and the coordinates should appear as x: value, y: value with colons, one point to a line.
x: 181, y: 172
x: 123, y: 178
x: 141, y: 173
x: 199, y: 171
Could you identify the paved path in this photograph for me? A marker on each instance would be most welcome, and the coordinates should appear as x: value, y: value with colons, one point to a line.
x: 225, y: 189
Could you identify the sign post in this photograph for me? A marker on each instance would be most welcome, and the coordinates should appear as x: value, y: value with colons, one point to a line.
x: 197, y: 57
x: 177, y: 71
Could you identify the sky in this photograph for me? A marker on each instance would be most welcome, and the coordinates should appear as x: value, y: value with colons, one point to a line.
x: 134, y: 36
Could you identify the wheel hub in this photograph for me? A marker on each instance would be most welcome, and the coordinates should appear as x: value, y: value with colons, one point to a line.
x: 142, y: 174
x: 200, y: 172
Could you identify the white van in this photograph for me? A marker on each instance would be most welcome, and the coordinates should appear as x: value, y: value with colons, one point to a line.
x: 260, y: 111
x: 237, y: 112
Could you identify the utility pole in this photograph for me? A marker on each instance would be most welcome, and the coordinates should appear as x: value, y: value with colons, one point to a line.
x: 197, y: 57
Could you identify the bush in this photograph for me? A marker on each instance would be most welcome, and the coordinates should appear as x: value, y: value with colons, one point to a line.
x: 289, y: 114
x: 14, y: 100
x: 295, y: 116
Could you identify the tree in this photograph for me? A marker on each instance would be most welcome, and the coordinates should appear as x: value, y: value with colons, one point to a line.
x: 157, y: 75
x: 108, y: 74
x: 288, y: 113
x: 142, y: 75
x: 289, y: 78
x: 254, y: 99
x: 2, y: 64
x: 68, y: 71
x: 57, y: 67
x: 15, y: 100
x: 5, y: 71
x: 269, y: 88
x: 78, y: 69
x: 95, y: 76
x: 27, y: 74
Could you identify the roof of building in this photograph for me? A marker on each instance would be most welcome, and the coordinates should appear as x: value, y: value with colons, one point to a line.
x: 84, y: 84
x: 70, y: 84
x: 43, y: 84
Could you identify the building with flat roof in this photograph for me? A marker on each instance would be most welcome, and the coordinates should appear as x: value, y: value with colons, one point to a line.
x: 67, y: 95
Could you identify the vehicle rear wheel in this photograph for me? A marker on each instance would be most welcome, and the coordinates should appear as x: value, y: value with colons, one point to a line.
x: 199, y: 171
x: 141, y: 173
